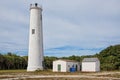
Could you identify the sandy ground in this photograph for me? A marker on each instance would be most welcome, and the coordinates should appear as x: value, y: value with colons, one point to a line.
x: 85, y: 76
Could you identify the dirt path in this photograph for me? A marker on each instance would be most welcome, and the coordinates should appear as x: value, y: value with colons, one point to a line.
x: 87, y: 76
x: 18, y: 77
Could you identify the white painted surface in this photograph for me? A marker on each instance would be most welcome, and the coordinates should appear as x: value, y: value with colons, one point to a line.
x: 65, y: 65
x: 90, y: 66
x: 59, y: 62
x: 35, y: 53
x: 73, y: 64
x: 98, y: 66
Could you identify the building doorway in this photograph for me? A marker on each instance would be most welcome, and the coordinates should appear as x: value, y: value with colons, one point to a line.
x: 59, y: 67
x: 76, y: 67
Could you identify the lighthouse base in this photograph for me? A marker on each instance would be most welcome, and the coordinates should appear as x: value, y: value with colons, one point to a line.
x: 34, y: 68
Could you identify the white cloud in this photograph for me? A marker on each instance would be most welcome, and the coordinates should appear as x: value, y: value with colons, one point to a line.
x: 14, y: 25
x: 81, y: 23
x: 58, y: 32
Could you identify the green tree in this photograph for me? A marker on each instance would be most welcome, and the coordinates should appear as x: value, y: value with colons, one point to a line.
x: 110, y: 58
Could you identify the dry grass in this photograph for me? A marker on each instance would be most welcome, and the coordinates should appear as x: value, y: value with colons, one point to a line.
x: 46, y: 72
x: 7, y: 74
x: 110, y: 75
x: 63, y: 79
x: 4, y: 77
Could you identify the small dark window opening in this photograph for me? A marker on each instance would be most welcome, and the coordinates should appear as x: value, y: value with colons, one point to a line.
x: 41, y: 17
x: 33, y: 31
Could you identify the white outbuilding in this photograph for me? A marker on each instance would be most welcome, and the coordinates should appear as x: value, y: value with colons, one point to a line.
x: 90, y: 65
x: 65, y: 66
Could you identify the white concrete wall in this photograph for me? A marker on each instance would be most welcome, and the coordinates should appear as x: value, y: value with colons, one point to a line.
x: 65, y: 66
x: 89, y: 66
x: 98, y: 66
x: 62, y: 63
x: 70, y: 65
x: 35, y: 53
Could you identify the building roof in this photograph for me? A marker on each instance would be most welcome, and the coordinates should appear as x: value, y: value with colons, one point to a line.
x: 66, y: 60
x: 90, y: 60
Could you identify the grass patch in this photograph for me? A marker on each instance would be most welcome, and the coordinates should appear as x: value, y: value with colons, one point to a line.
x: 12, y: 71
x: 45, y: 72
x: 4, y: 77
x: 110, y: 75
x: 63, y: 79
x: 5, y: 72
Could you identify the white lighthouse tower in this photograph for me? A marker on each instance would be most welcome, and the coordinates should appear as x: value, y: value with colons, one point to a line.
x: 35, y: 53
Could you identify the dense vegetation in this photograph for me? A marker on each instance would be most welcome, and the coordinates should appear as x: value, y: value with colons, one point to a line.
x: 12, y: 61
x: 109, y: 58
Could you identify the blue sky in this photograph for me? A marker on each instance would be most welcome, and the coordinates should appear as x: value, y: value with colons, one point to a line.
x: 70, y: 27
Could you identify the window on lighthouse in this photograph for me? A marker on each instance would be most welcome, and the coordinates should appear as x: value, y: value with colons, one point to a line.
x: 33, y: 31
x: 41, y: 17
